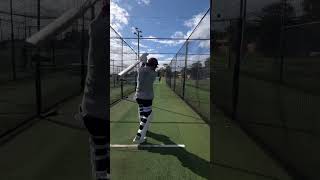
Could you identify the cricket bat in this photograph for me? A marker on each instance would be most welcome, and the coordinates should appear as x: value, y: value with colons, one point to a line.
x: 125, y: 71
x: 60, y: 23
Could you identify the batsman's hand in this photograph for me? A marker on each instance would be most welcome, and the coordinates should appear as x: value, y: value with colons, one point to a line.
x: 144, y: 58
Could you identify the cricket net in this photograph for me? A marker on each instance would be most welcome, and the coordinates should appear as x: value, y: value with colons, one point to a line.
x: 122, y: 55
x: 37, y: 78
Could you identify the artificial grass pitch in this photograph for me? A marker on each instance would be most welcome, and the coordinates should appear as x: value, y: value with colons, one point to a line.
x: 174, y: 122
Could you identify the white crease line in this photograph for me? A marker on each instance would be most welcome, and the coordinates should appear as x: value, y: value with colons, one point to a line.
x: 147, y: 145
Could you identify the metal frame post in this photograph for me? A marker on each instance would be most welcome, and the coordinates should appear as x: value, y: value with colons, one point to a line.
x: 0, y: 30
x: 138, y: 44
x: 25, y: 57
x: 13, y: 61
x: 137, y: 33
x: 82, y: 54
x: 282, y: 39
x: 37, y: 68
x: 236, y: 73
x: 185, y: 70
x: 121, y: 54
x: 113, y: 73
x: 121, y: 81
x: 175, y: 73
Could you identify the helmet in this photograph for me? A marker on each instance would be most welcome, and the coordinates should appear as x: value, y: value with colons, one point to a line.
x: 152, y: 62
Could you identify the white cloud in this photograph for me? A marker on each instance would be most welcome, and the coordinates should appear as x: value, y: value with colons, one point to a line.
x: 158, y: 56
x: 177, y: 34
x: 133, y: 29
x: 164, y: 61
x: 141, y: 45
x: 202, y: 31
x: 143, y: 2
x: 164, y: 41
x: 192, y: 23
x: 119, y: 17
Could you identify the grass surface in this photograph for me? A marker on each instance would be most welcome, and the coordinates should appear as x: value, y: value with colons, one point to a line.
x: 237, y: 157
x: 18, y: 101
x: 198, y: 98
x: 172, y: 123
x: 48, y: 150
x: 53, y: 149
x: 115, y: 92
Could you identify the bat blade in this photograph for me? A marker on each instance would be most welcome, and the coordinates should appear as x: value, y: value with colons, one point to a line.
x: 59, y: 24
x: 143, y: 58
x: 125, y: 71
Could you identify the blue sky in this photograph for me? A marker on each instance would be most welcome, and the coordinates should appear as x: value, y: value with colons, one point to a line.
x: 157, y: 18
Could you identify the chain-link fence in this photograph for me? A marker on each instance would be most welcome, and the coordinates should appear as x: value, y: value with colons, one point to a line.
x: 266, y: 73
x: 122, y: 55
x: 188, y: 73
x: 35, y: 79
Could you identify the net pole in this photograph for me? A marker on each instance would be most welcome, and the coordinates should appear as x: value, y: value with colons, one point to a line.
x: 24, y: 45
x: 82, y: 54
x: 121, y: 80
x: 175, y: 73
x: 37, y: 68
x: 1, y: 38
x: 13, y: 62
x: 113, y: 74
x: 282, y: 39
x: 185, y: 70
x: 236, y: 73
x: 121, y: 54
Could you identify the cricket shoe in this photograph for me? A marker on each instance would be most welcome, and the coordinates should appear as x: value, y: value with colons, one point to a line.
x: 139, y: 140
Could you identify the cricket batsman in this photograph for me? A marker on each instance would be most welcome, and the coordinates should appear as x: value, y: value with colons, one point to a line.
x: 144, y: 95
x: 93, y: 109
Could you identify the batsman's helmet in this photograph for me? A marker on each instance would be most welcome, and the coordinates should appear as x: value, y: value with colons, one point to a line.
x: 152, y: 62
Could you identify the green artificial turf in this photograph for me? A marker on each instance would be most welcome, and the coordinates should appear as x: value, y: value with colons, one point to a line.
x: 173, y: 123
x: 51, y: 150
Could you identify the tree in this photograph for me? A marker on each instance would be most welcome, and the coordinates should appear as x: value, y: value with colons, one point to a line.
x: 270, y: 23
x: 195, y: 68
x: 168, y: 71
x: 207, y: 63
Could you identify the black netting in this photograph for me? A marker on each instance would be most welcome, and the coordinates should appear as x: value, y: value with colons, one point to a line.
x: 60, y: 72
x: 121, y: 56
x: 275, y: 93
x: 188, y: 73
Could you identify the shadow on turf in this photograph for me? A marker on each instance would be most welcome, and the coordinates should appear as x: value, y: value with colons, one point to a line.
x: 196, y: 164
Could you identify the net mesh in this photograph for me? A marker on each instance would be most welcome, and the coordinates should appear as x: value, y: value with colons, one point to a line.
x: 277, y: 88
x: 122, y: 55
x: 188, y: 73
x: 61, y: 59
